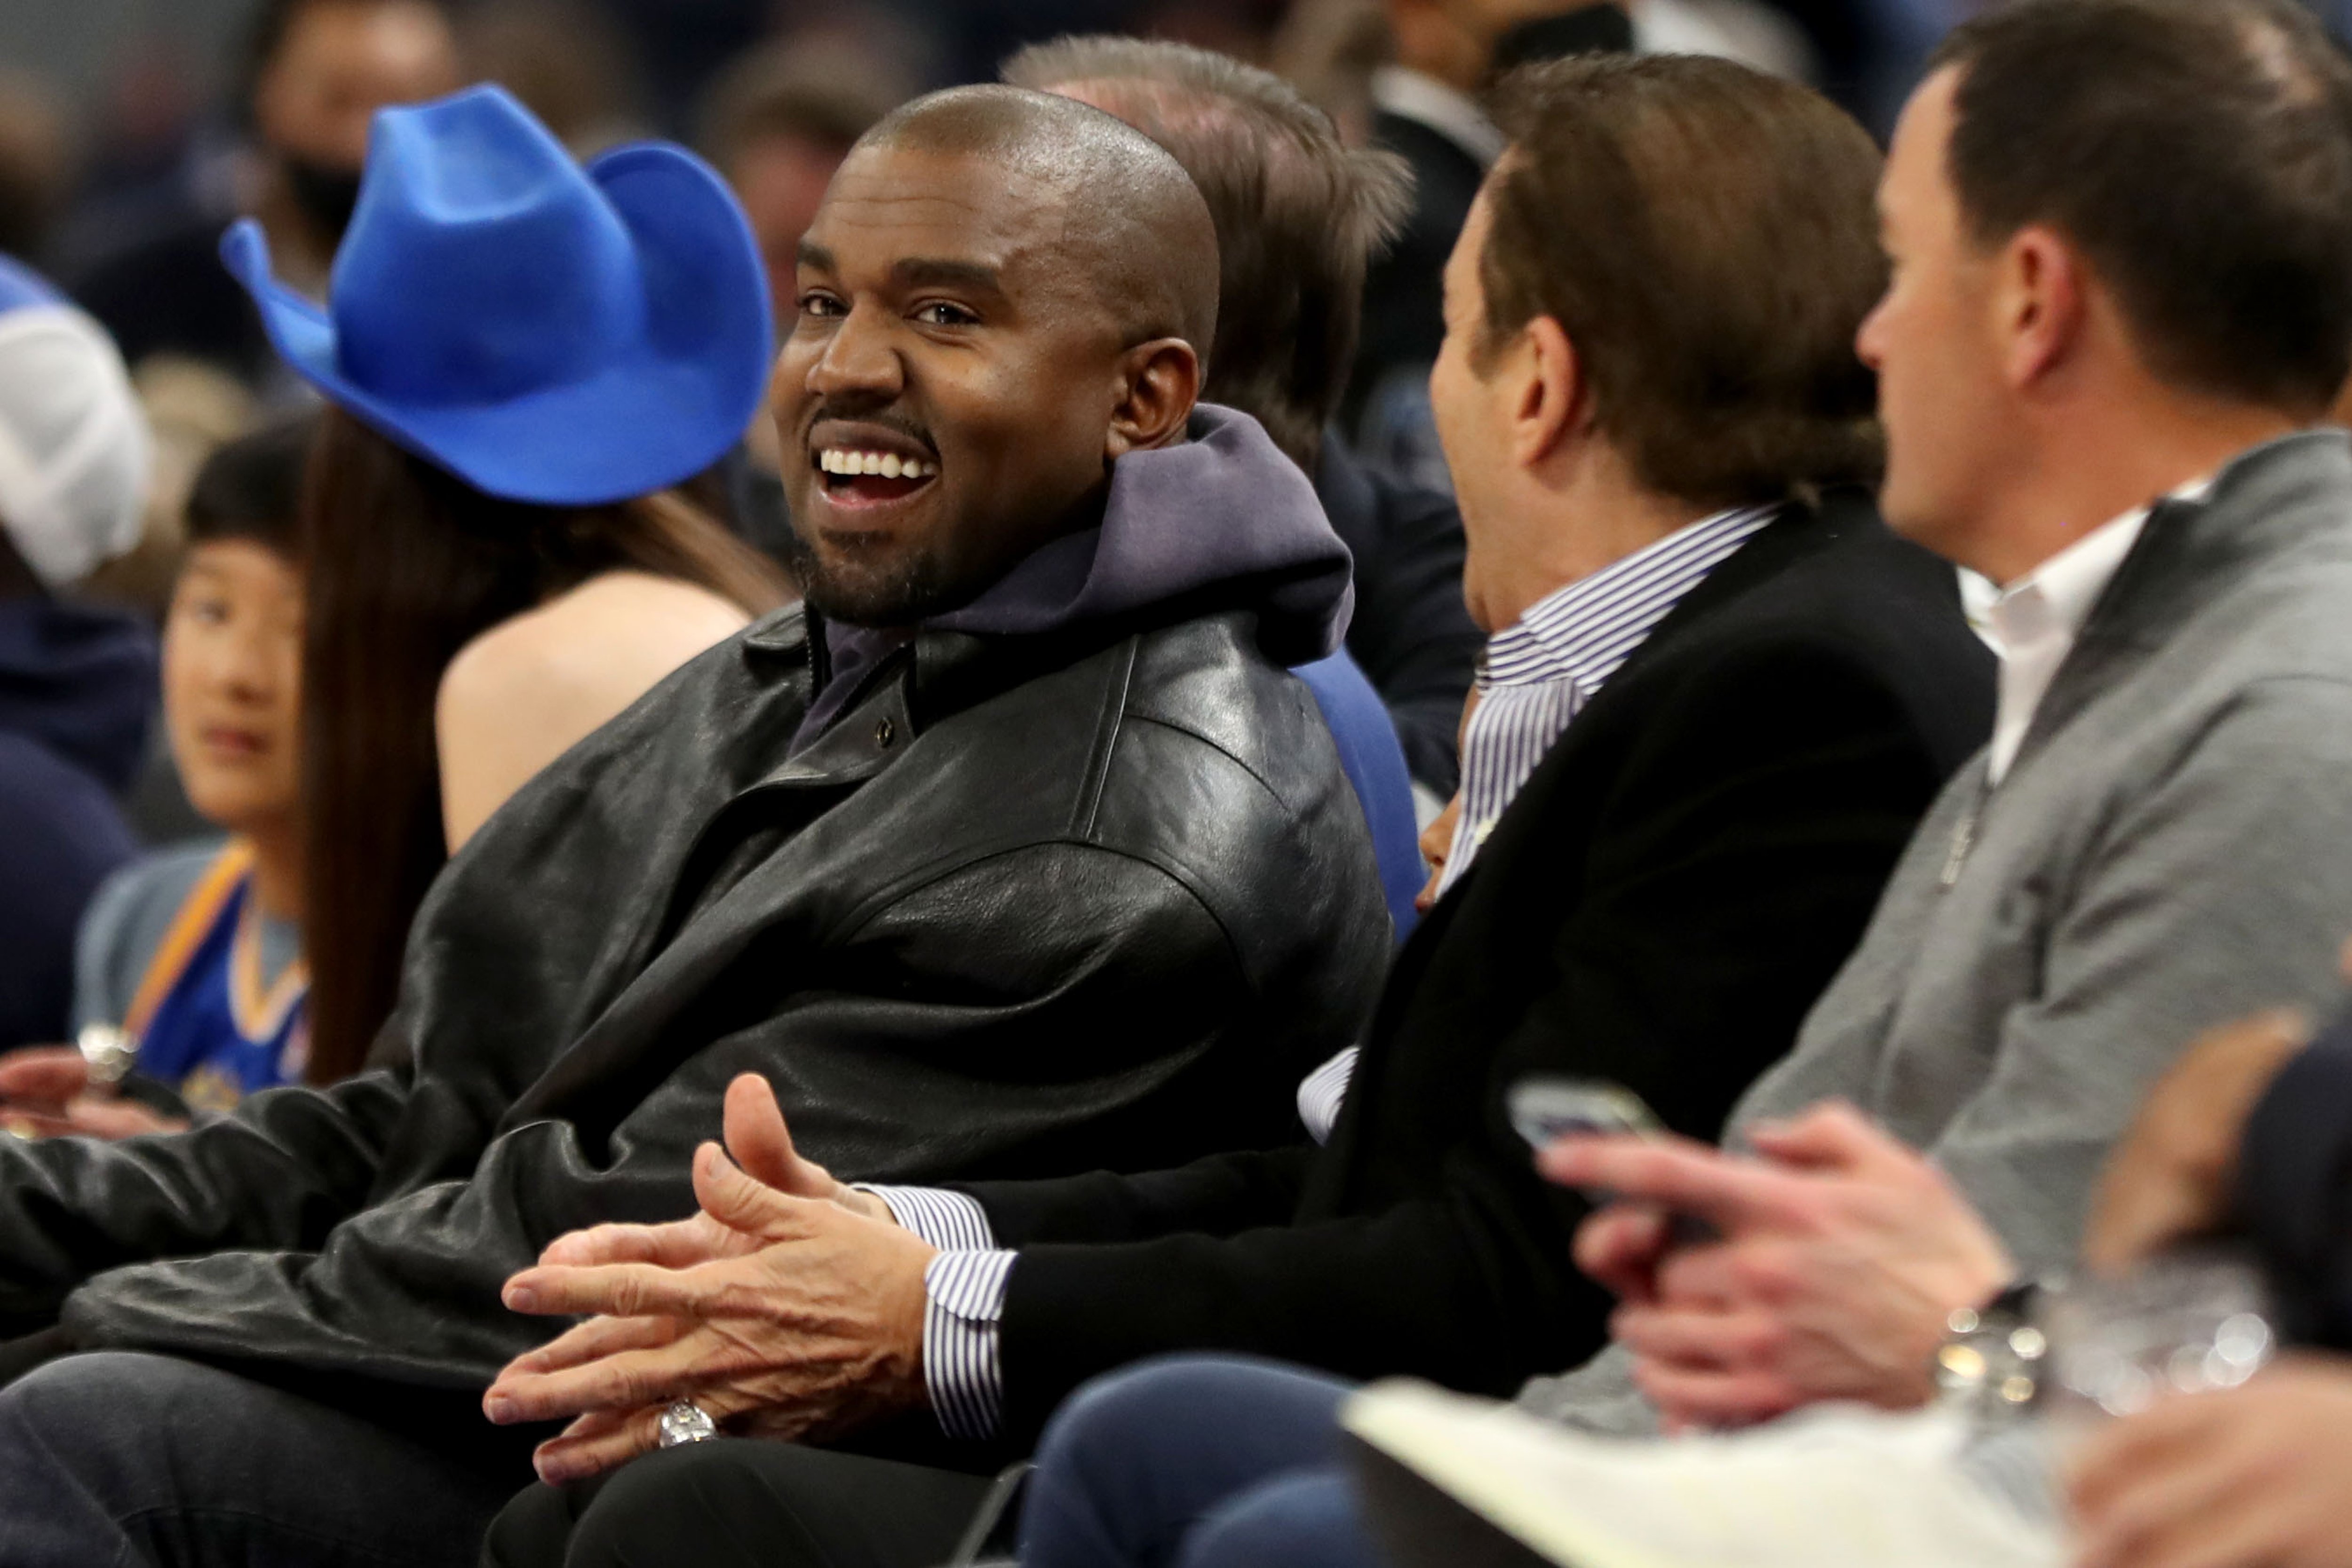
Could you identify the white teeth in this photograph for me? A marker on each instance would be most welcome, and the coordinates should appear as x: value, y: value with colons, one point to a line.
x: 882, y: 464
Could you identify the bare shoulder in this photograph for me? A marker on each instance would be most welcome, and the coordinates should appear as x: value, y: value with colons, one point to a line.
x: 603, y: 645
x: 524, y: 692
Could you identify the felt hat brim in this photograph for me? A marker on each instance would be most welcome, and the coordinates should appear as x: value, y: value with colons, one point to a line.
x: 660, y: 409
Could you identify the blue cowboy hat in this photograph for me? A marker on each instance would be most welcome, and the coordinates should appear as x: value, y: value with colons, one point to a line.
x: 546, y: 332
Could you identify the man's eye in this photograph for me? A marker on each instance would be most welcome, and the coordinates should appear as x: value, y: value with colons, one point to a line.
x: 939, y: 313
x: 821, y: 305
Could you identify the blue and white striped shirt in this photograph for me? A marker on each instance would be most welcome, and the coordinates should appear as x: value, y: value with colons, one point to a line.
x: 1536, y: 675
x: 1539, y: 673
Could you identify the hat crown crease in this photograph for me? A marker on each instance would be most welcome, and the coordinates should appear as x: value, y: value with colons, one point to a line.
x: 482, y: 264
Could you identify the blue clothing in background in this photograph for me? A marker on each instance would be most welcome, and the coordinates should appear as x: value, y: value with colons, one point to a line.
x: 1373, y: 760
x: 77, y: 685
x: 212, y: 1021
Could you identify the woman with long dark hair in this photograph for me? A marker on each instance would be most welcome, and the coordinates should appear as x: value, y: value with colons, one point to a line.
x: 524, y: 359
x: 457, y: 643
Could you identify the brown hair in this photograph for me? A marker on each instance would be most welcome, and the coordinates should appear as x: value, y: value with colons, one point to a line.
x: 1298, y: 214
x: 2199, y: 152
x: 404, y: 565
x: 1707, y: 237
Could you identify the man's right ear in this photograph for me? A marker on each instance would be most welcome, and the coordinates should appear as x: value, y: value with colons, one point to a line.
x: 1554, y: 401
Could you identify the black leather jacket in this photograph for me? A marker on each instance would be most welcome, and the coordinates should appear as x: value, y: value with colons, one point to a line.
x: 1034, y: 905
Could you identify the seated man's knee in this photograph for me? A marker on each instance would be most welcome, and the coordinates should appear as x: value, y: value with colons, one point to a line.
x: 633, y: 1518
x: 74, y: 1391
x: 1306, y: 1520
x: 1159, y: 1412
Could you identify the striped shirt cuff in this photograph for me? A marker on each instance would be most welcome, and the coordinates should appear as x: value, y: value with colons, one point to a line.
x: 950, y: 1221
x: 963, y: 1367
x: 1321, y: 1093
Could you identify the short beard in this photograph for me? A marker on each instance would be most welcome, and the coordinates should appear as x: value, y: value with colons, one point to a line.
x: 900, y: 593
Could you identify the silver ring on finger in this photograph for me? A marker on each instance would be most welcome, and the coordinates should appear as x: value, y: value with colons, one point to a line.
x: 687, y: 1422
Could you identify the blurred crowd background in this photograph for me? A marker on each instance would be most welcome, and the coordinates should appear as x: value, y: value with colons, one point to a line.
x: 133, y: 131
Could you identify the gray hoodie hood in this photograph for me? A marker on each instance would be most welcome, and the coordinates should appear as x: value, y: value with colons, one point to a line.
x: 1223, y: 519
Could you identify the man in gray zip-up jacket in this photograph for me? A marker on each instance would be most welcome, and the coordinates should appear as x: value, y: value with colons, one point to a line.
x: 2170, y: 849
x: 2160, y: 839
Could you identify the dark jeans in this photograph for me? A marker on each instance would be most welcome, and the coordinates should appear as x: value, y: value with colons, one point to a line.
x: 740, y: 1503
x: 1195, y: 1463
x: 115, y: 1459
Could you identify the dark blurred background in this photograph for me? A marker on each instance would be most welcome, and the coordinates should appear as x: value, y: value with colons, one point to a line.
x: 131, y: 132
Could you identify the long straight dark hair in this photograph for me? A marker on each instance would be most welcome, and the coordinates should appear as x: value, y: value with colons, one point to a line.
x: 404, y: 565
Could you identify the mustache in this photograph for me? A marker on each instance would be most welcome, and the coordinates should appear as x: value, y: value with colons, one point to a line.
x: 865, y: 412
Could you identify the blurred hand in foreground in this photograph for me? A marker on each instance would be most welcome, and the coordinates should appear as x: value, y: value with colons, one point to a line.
x: 2249, y: 1477
x: 1836, y: 1256
x: 2174, y: 1174
x: 47, y: 1091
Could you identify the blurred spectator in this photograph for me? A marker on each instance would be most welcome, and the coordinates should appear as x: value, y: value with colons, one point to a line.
x: 564, y: 60
x: 1298, y: 214
x: 36, y: 166
x: 1427, y: 108
x: 2252, y: 1136
x: 777, y: 123
x: 314, y: 71
x: 189, y: 961
x: 1245, y: 30
x: 1331, y: 49
x: 192, y: 407
x: 76, y: 683
x: 1424, y: 110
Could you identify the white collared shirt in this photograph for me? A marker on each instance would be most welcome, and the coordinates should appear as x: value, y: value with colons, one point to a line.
x: 2037, y: 618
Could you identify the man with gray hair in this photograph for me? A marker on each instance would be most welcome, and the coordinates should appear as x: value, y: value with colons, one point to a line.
x: 1299, y: 217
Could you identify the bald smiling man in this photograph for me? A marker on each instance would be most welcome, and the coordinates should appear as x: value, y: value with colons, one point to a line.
x: 1013, y: 853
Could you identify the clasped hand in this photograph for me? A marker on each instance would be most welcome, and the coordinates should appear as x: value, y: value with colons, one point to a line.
x: 789, y: 1306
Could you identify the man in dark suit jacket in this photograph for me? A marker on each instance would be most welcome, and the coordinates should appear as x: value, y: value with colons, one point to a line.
x: 1712, y: 715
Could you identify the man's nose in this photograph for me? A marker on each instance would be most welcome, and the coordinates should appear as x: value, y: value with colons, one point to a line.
x: 860, y: 356
x: 1865, y: 338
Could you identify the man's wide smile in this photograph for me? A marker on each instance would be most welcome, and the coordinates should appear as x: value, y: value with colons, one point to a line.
x: 867, y: 467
